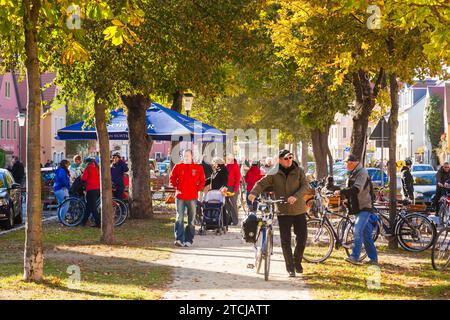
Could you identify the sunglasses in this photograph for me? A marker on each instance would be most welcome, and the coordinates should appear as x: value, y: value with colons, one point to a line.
x: 288, y: 158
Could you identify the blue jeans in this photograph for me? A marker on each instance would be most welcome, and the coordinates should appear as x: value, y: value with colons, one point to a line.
x: 181, y: 233
x: 61, y: 194
x: 362, y: 233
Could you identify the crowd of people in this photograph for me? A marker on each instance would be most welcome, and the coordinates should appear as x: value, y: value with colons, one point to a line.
x: 78, y: 176
x: 284, y: 178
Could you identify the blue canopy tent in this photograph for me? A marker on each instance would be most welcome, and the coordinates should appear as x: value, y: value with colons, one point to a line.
x: 162, y: 124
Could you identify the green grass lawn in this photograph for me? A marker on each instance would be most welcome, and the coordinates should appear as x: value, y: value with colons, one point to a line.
x: 126, y: 270
x: 403, y: 275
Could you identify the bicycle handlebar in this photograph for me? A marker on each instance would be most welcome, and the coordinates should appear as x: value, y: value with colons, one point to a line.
x: 271, y: 201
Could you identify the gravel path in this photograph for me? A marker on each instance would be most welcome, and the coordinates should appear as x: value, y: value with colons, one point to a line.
x: 215, y: 268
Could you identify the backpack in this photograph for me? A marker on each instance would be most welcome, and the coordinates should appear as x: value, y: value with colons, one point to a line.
x: 353, y: 203
x: 250, y: 228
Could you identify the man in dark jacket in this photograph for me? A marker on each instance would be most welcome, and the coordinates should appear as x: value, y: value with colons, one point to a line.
x: 288, y: 181
x: 18, y: 171
x: 442, y: 176
x: 359, y: 199
x: 118, y: 168
x: 407, y: 181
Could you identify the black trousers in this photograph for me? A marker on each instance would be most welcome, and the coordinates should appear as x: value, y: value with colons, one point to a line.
x: 91, y: 206
x: 299, y: 222
x: 439, y: 193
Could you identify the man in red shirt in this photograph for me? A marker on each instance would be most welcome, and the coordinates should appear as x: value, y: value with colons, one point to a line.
x: 188, y: 179
x: 234, y: 179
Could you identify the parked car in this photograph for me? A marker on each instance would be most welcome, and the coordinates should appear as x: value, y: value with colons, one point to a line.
x: 424, y: 186
x: 47, y: 195
x: 10, y: 201
x: 422, y: 167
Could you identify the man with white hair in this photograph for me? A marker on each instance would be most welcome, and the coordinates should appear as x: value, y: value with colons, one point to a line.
x: 188, y: 179
x: 234, y: 180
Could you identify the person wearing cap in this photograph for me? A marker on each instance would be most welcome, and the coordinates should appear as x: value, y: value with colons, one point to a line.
x: 188, y: 179
x: 118, y: 169
x: 359, y: 200
x: 253, y: 175
x: 407, y: 181
x: 288, y: 181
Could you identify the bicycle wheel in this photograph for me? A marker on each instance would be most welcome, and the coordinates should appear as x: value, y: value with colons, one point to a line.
x: 120, y: 215
x: 320, y: 241
x: 118, y: 208
x: 267, y: 254
x: 71, y: 211
x: 415, y: 232
x: 440, y: 254
x: 260, y: 242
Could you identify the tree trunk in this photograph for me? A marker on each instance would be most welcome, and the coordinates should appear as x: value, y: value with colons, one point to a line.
x: 140, y: 144
x: 107, y: 217
x: 330, y: 161
x: 33, y: 255
x: 177, y: 105
x: 393, y: 125
x: 320, y: 149
x: 364, y: 104
x: 305, y: 155
x: 295, y: 151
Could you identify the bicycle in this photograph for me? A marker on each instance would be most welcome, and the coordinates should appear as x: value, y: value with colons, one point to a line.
x: 440, y: 253
x: 415, y: 232
x: 323, y: 237
x: 264, y: 238
x: 72, y: 210
x: 444, y: 209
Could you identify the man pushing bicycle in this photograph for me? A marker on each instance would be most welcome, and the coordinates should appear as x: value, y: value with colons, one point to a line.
x: 288, y: 180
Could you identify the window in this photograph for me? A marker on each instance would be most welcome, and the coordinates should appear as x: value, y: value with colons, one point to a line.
x: 2, y: 134
x: 14, y: 130
x: 55, y: 129
x: 8, y: 129
x: 8, y: 89
x: 344, y: 133
x: 61, y: 123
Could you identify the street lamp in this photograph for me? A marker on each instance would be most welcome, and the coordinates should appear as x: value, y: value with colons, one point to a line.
x: 188, y: 100
x: 21, y: 120
x: 412, y: 138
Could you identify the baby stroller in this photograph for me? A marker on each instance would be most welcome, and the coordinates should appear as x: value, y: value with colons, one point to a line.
x: 212, y: 212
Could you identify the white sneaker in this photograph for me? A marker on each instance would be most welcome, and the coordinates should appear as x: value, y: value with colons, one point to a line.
x: 178, y: 243
x: 188, y: 244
